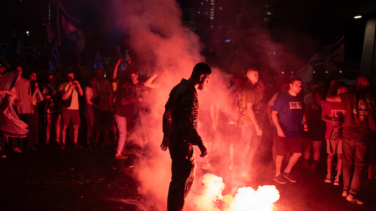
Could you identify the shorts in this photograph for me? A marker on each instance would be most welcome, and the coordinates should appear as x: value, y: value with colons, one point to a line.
x: 105, y: 117
x: 69, y: 115
x: 334, y: 146
x: 286, y: 144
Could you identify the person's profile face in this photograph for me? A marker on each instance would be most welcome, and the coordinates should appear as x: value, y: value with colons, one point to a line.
x: 204, y: 79
x: 33, y: 77
x: 296, y: 87
x: 253, y: 76
x: 134, y: 77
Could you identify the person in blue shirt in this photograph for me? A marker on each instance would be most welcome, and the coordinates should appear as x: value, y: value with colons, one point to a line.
x: 287, y: 115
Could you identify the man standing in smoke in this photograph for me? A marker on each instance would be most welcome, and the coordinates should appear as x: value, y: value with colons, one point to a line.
x: 247, y: 122
x: 180, y: 133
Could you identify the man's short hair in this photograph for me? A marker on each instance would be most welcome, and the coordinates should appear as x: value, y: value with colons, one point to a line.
x: 295, y: 78
x: 252, y: 69
x: 69, y: 71
x: 199, y: 69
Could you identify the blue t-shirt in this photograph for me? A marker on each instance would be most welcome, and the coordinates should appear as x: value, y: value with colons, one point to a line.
x: 290, y: 113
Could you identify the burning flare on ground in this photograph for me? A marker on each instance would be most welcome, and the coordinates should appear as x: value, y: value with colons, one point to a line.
x: 246, y: 199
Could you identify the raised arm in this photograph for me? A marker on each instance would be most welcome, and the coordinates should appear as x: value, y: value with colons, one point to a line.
x: 114, y: 74
x: 149, y: 82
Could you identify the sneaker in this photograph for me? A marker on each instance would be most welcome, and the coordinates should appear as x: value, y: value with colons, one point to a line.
x: 126, y: 152
x: 280, y: 179
x: 17, y: 150
x: 336, y: 181
x: 121, y: 157
x: 77, y: 146
x: 345, y: 193
x: 328, y: 178
x: 288, y: 177
x: 62, y: 146
x: 354, y: 200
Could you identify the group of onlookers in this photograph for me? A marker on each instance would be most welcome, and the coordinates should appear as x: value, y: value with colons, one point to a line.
x: 342, y: 117
x: 108, y: 105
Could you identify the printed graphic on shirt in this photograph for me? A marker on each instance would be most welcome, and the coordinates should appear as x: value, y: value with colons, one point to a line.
x: 361, y: 111
x: 295, y: 105
x: 338, y: 113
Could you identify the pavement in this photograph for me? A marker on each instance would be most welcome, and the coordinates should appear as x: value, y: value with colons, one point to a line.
x: 83, y: 179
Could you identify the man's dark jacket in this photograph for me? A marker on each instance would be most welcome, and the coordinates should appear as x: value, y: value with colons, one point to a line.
x: 180, y: 120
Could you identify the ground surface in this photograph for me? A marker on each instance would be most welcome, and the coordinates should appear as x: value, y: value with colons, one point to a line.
x: 83, y: 179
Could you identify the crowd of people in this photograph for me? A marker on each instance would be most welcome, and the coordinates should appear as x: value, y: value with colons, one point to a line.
x: 54, y: 108
x: 342, y: 116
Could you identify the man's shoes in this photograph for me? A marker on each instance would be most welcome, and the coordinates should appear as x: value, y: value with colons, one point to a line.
x: 17, y: 150
x: 354, y: 200
x: 126, y: 152
x: 280, y: 179
x: 336, y: 181
x: 62, y: 146
x: 121, y: 157
x: 288, y: 177
x: 345, y: 193
x: 328, y: 178
x: 77, y: 146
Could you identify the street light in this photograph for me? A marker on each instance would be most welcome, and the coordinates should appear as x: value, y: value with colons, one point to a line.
x: 27, y: 33
x: 357, y: 17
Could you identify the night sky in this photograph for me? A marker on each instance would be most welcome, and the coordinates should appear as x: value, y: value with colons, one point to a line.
x: 318, y: 21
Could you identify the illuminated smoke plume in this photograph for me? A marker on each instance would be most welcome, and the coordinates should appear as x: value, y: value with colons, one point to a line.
x: 246, y: 198
x: 158, y: 40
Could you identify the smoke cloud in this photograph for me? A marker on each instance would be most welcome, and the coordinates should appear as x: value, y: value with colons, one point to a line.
x: 160, y: 42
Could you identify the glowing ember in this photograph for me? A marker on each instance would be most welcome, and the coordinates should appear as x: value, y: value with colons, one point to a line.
x: 247, y: 199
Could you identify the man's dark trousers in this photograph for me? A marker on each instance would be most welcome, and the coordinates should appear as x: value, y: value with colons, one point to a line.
x: 183, y: 171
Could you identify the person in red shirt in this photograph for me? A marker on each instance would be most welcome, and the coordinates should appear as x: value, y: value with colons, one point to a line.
x: 333, y: 114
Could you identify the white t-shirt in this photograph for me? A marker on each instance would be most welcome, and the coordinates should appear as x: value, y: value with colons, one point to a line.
x: 91, y: 93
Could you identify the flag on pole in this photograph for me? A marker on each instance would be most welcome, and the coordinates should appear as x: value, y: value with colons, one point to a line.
x: 53, y: 44
x: 20, y: 53
x: 122, y: 66
x: 329, y: 56
x: 72, y: 28
x: 98, y: 61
